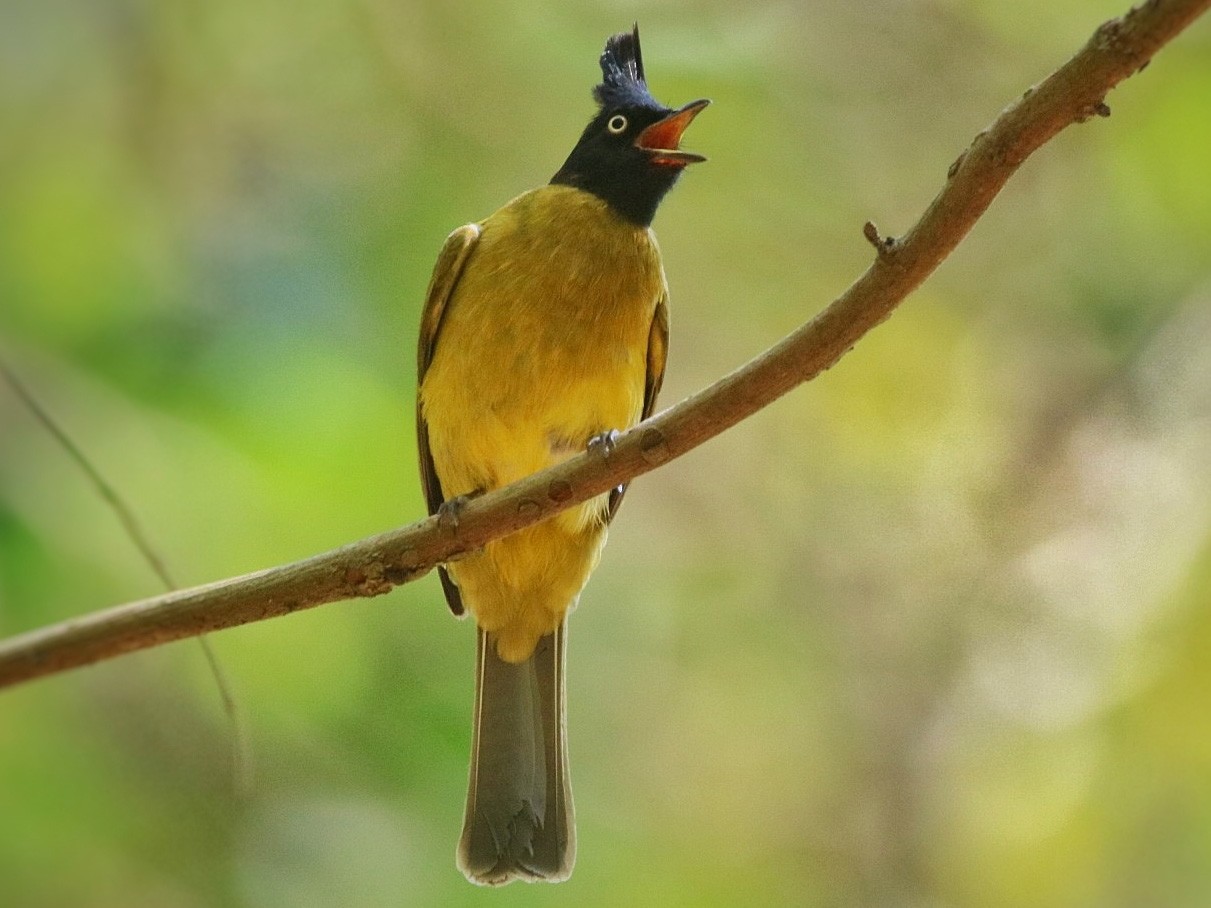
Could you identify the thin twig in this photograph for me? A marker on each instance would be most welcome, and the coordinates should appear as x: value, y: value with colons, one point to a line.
x: 241, y: 759
x: 107, y: 492
x: 1074, y: 93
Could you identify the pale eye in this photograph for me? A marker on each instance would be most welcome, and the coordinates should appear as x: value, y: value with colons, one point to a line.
x: 617, y: 124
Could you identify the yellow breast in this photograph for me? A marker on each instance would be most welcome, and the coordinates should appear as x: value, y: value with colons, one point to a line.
x: 543, y: 345
x: 544, y: 342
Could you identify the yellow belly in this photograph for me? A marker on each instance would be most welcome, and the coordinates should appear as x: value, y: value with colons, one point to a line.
x: 543, y: 345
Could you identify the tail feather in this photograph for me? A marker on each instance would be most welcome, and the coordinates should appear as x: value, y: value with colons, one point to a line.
x: 519, y: 821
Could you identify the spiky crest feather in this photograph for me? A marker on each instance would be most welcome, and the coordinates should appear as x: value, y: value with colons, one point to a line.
x: 622, y: 80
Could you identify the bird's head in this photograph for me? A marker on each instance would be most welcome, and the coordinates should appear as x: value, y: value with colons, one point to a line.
x: 629, y: 155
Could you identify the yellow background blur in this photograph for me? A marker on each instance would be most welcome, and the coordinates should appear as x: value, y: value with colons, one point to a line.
x: 933, y: 630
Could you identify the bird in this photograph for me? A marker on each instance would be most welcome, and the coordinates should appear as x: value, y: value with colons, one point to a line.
x: 544, y: 332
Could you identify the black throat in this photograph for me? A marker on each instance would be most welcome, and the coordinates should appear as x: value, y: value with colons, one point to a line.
x: 629, y: 183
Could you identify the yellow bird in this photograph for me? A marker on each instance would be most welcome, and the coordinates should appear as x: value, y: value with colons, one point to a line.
x: 545, y: 328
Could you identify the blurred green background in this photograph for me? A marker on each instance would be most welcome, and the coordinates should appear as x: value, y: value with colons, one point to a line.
x: 933, y: 630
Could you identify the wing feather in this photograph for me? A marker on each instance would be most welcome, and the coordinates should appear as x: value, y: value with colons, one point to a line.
x: 658, y: 349
x: 449, y: 268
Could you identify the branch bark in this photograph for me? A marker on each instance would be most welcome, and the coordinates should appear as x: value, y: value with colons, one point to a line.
x: 1072, y: 94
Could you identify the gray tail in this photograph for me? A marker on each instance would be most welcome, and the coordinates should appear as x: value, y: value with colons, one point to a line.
x: 519, y: 823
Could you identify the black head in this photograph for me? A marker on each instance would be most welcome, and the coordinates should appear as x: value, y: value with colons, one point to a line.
x: 628, y: 155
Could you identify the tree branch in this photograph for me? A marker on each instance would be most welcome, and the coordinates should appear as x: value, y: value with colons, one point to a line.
x: 1073, y: 94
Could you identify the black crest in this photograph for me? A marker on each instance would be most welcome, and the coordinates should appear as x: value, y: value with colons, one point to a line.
x: 622, y: 80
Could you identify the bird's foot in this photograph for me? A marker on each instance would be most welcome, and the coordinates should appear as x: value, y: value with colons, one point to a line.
x: 449, y: 512
x: 602, y: 444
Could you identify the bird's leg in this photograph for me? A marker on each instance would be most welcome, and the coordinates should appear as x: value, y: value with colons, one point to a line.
x: 602, y: 444
x: 450, y: 510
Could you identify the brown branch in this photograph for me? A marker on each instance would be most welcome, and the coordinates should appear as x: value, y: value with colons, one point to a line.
x: 1073, y: 94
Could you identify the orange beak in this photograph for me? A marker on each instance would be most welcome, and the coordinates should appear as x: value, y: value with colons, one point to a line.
x: 663, y: 137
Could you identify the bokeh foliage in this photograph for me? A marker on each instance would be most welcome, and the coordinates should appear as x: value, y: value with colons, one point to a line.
x: 933, y: 630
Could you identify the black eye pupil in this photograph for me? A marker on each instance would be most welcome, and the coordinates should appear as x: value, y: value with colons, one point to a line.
x: 618, y: 124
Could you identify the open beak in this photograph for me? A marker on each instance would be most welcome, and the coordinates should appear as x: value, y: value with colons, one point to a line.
x: 661, y: 139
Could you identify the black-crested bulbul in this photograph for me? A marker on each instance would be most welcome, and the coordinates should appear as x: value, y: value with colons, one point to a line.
x: 545, y: 327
